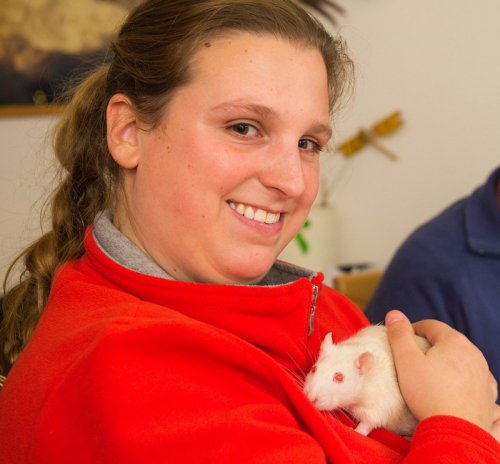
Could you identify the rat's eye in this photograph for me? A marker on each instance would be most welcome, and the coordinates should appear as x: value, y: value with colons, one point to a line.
x: 313, y: 369
x: 338, y: 377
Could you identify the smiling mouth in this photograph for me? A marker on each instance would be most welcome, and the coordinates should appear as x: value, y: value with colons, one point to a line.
x: 258, y: 215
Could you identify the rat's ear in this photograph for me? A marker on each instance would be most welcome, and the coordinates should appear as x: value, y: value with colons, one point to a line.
x: 327, y: 342
x: 122, y: 131
x: 364, y: 362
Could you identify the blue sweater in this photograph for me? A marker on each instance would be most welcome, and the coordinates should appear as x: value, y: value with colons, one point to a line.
x: 449, y: 269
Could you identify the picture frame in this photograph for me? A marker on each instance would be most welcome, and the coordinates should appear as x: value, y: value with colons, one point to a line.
x: 46, y: 45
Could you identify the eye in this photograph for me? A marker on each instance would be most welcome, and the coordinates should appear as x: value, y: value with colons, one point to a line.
x: 310, y: 145
x: 314, y: 369
x: 243, y: 129
x: 338, y: 377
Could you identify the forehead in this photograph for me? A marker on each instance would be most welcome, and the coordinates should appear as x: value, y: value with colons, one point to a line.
x: 261, y: 69
x: 257, y: 54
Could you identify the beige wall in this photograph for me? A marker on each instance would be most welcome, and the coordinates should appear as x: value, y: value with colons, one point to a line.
x: 25, y: 175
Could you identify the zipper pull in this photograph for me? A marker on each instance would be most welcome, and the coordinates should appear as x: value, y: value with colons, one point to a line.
x: 315, y: 293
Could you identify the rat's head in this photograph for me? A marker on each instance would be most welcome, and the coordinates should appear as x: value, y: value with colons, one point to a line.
x: 335, y: 381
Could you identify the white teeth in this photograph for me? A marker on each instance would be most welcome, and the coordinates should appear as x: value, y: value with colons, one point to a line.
x: 259, y: 215
x: 272, y: 218
x: 241, y: 209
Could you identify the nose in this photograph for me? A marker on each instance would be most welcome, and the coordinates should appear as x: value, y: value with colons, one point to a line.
x: 309, y: 393
x: 313, y: 399
x: 284, y: 170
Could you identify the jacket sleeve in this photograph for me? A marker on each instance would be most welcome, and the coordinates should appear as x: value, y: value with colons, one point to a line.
x: 442, y: 439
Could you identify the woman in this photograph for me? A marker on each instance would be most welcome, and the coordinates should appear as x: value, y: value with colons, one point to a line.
x: 171, y: 334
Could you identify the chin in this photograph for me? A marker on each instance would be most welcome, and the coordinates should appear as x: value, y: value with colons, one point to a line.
x: 246, y: 265
x: 243, y: 274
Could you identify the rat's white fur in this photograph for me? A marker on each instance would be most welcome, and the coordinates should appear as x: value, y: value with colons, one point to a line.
x: 370, y: 390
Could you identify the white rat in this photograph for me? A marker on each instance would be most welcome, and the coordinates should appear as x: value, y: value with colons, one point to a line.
x: 358, y: 375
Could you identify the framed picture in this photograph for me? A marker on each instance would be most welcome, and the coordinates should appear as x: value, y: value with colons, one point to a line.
x: 45, y: 45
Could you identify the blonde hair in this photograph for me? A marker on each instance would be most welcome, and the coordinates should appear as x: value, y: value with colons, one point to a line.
x: 151, y: 57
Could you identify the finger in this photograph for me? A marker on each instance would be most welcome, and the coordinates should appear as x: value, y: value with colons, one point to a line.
x: 401, y: 336
x: 432, y: 329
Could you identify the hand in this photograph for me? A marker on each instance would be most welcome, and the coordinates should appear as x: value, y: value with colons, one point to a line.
x: 452, y: 378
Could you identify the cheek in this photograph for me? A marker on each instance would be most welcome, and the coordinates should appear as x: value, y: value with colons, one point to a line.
x: 311, y: 184
x: 160, y: 181
x: 311, y: 179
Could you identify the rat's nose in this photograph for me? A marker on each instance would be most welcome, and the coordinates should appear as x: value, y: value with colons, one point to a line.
x: 313, y: 398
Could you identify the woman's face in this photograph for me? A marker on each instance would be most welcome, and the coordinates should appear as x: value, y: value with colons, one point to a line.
x: 229, y: 177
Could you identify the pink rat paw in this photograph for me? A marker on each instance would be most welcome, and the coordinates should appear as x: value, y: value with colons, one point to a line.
x: 363, y: 428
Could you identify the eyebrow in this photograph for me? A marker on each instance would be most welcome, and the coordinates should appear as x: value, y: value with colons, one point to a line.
x: 320, y: 128
x: 261, y: 110
x: 264, y: 112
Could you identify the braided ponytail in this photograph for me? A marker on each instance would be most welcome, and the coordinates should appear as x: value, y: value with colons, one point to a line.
x: 88, y: 175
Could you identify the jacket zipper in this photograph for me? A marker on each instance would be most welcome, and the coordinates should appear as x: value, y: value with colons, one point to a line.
x: 315, y: 292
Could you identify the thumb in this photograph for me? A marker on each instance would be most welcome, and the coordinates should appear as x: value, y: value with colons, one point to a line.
x: 401, y: 336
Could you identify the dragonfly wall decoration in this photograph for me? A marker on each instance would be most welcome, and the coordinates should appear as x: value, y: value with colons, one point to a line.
x: 370, y: 136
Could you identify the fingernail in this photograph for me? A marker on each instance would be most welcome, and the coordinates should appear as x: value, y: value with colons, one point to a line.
x: 393, y: 316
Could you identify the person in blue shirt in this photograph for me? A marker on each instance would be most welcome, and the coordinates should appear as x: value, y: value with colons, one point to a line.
x: 449, y: 269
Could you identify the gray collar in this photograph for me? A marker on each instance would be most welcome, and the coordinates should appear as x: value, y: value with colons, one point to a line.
x: 121, y: 250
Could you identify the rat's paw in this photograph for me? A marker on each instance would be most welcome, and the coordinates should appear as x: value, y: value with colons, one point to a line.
x: 363, y: 428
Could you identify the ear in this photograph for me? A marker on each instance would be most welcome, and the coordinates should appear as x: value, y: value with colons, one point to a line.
x: 364, y: 362
x: 326, y: 343
x: 122, y: 131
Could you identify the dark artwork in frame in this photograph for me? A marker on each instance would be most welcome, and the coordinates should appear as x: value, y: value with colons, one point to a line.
x: 45, y: 45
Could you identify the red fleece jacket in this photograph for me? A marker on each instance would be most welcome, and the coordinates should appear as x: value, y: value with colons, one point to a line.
x: 124, y: 367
